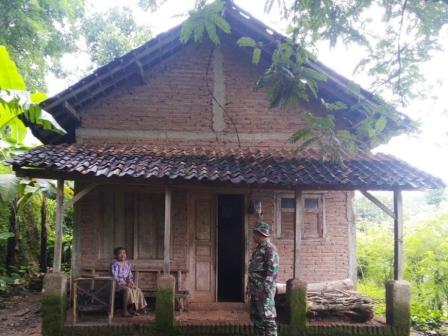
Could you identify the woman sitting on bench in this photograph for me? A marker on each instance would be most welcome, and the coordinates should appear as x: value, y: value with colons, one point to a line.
x: 122, y: 272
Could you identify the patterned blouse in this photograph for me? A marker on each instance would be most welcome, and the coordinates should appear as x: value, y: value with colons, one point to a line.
x: 122, y: 274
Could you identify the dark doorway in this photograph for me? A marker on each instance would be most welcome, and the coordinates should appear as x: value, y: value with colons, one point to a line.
x: 230, y: 248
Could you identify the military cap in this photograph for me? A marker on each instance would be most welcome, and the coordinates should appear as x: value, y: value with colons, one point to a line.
x: 262, y: 228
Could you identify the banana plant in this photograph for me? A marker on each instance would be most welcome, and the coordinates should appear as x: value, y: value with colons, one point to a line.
x: 13, y: 192
x: 17, y: 104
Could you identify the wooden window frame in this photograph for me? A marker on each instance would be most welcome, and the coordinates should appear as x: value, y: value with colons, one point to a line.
x: 135, y: 190
x: 320, y: 196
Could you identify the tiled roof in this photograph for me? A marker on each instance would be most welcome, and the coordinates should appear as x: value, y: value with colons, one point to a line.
x: 274, y: 167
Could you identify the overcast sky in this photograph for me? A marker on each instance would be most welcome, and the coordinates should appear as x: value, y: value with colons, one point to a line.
x: 427, y: 150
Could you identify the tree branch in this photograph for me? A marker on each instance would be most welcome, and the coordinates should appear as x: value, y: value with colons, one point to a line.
x: 403, y: 10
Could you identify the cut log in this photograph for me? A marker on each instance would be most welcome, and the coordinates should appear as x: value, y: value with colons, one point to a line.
x: 342, y: 304
x: 346, y: 284
x: 334, y: 300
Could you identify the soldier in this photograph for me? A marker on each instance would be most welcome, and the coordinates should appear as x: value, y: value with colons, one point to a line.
x: 263, y: 269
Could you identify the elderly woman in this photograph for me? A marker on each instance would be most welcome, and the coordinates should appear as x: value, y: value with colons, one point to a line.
x: 122, y: 272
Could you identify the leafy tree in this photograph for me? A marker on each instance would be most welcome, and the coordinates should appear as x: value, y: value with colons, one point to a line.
x: 426, y: 263
x: 16, y: 106
x: 37, y: 33
x: 44, y: 189
x: 13, y: 191
x: 375, y: 252
x: 426, y: 251
x: 410, y: 35
x: 435, y: 197
x: 397, y: 35
x: 113, y: 33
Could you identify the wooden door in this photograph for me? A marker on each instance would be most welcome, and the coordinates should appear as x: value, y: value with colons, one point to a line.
x: 202, y: 247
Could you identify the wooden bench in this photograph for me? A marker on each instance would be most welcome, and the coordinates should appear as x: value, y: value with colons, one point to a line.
x: 181, y: 296
x: 90, y: 298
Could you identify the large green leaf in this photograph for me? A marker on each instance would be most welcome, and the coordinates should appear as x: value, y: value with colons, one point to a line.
x: 6, y: 235
x: 10, y: 78
x: 38, y: 116
x: 16, y: 102
x: 9, y: 184
x: 206, y: 18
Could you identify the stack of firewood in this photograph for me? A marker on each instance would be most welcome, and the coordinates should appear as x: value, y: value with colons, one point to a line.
x: 336, y: 300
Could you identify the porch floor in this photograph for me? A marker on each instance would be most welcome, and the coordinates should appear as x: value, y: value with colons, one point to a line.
x: 202, y: 314
x: 218, y: 313
x: 224, y: 313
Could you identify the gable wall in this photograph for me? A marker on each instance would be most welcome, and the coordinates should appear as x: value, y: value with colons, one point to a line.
x: 176, y: 108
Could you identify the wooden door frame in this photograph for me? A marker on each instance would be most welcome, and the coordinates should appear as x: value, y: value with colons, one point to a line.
x: 244, y: 232
x: 192, y: 196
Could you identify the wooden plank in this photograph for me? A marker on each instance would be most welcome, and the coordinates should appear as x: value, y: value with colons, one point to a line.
x: 378, y: 203
x: 159, y: 223
x: 278, y: 216
x: 112, y: 302
x: 298, y: 225
x: 72, y: 111
x: 107, y: 223
x: 398, y: 235
x: 120, y: 230
x: 79, y: 195
x: 59, y: 223
x: 75, y: 301
x: 167, y: 233
x: 134, y: 212
x: 147, y: 230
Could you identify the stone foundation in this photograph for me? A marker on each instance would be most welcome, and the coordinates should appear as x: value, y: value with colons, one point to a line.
x: 398, y: 304
x: 54, y: 304
x: 165, y: 303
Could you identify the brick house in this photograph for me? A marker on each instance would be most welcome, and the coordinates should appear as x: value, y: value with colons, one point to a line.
x: 161, y: 168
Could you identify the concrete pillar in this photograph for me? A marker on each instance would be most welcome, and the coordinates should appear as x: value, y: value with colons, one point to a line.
x: 398, y: 304
x: 165, y: 303
x: 296, y: 299
x: 54, y: 303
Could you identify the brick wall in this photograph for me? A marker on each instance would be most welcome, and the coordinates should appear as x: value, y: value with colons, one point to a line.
x: 176, y: 99
x: 320, y: 259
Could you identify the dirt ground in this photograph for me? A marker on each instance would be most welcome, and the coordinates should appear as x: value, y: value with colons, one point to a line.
x: 20, y: 315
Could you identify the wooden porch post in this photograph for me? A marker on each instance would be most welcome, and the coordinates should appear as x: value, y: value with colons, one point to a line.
x: 298, y: 224
x: 167, y: 233
x: 59, y: 221
x: 398, y: 235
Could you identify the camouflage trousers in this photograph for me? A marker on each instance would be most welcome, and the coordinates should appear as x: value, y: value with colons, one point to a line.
x: 262, y: 314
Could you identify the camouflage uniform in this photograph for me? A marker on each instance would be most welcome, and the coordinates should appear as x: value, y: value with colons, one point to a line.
x: 263, y: 269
